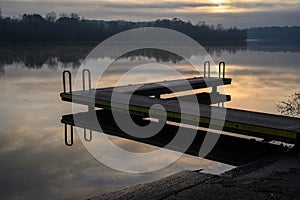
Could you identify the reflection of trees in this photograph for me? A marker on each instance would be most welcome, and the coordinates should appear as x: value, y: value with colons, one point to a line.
x: 72, y: 54
x: 291, y: 106
x: 36, y: 55
x: 219, y: 50
x: 158, y: 54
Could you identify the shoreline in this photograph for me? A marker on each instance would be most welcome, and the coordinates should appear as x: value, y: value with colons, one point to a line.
x: 275, y: 177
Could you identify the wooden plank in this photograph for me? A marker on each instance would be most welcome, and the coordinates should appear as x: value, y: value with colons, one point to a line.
x: 204, y: 98
x: 167, y: 87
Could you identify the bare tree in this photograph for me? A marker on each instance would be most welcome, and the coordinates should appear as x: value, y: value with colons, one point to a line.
x: 291, y: 106
x: 63, y: 15
x: 201, y: 23
x: 74, y: 16
x: 51, y: 16
x: 220, y: 27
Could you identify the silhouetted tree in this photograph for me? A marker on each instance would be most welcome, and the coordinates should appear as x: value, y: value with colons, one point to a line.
x: 74, y: 16
x: 291, y: 106
x: 51, y: 17
x: 63, y: 15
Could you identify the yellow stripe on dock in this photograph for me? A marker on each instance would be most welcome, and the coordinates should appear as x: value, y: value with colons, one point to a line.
x: 236, y: 126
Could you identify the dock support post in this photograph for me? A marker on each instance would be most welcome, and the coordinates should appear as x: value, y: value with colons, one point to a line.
x: 89, y: 79
x: 85, y: 135
x: 207, y: 71
x: 90, y: 108
x: 70, y: 81
x: 222, y: 70
x: 66, y: 136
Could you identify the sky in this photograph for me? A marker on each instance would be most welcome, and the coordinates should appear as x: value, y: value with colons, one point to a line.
x: 243, y: 13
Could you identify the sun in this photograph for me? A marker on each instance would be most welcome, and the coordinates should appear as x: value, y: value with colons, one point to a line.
x: 220, y: 7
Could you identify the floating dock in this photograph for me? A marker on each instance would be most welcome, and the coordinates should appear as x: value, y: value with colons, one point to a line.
x: 143, y: 96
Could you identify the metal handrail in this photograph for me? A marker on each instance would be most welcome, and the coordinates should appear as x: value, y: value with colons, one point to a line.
x: 91, y: 136
x: 83, y: 79
x: 206, y: 63
x: 66, y: 136
x: 220, y: 64
x: 64, y: 81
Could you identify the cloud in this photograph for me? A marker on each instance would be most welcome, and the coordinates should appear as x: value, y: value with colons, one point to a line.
x: 120, y: 5
x: 259, y: 4
x: 161, y: 5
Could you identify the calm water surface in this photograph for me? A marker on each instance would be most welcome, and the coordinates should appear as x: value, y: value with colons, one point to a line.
x: 34, y: 159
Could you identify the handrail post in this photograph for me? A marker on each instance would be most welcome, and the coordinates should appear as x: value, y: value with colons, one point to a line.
x: 207, y: 63
x: 85, y: 135
x: 64, y: 81
x: 66, y: 136
x: 89, y: 79
x: 220, y: 64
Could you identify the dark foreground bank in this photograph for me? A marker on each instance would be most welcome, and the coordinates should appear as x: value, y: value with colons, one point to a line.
x: 274, y: 177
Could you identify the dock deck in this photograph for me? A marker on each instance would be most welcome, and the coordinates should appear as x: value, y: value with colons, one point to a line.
x: 267, y: 126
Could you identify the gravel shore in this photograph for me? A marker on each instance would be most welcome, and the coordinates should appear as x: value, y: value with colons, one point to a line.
x: 273, y: 177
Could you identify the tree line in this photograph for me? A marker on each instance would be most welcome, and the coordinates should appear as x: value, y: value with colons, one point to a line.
x: 36, y: 28
x: 275, y: 33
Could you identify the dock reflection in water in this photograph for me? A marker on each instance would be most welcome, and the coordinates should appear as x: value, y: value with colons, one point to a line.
x: 229, y: 149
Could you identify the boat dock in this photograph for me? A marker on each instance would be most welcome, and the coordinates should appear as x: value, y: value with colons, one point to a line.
x: 143, y: 96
